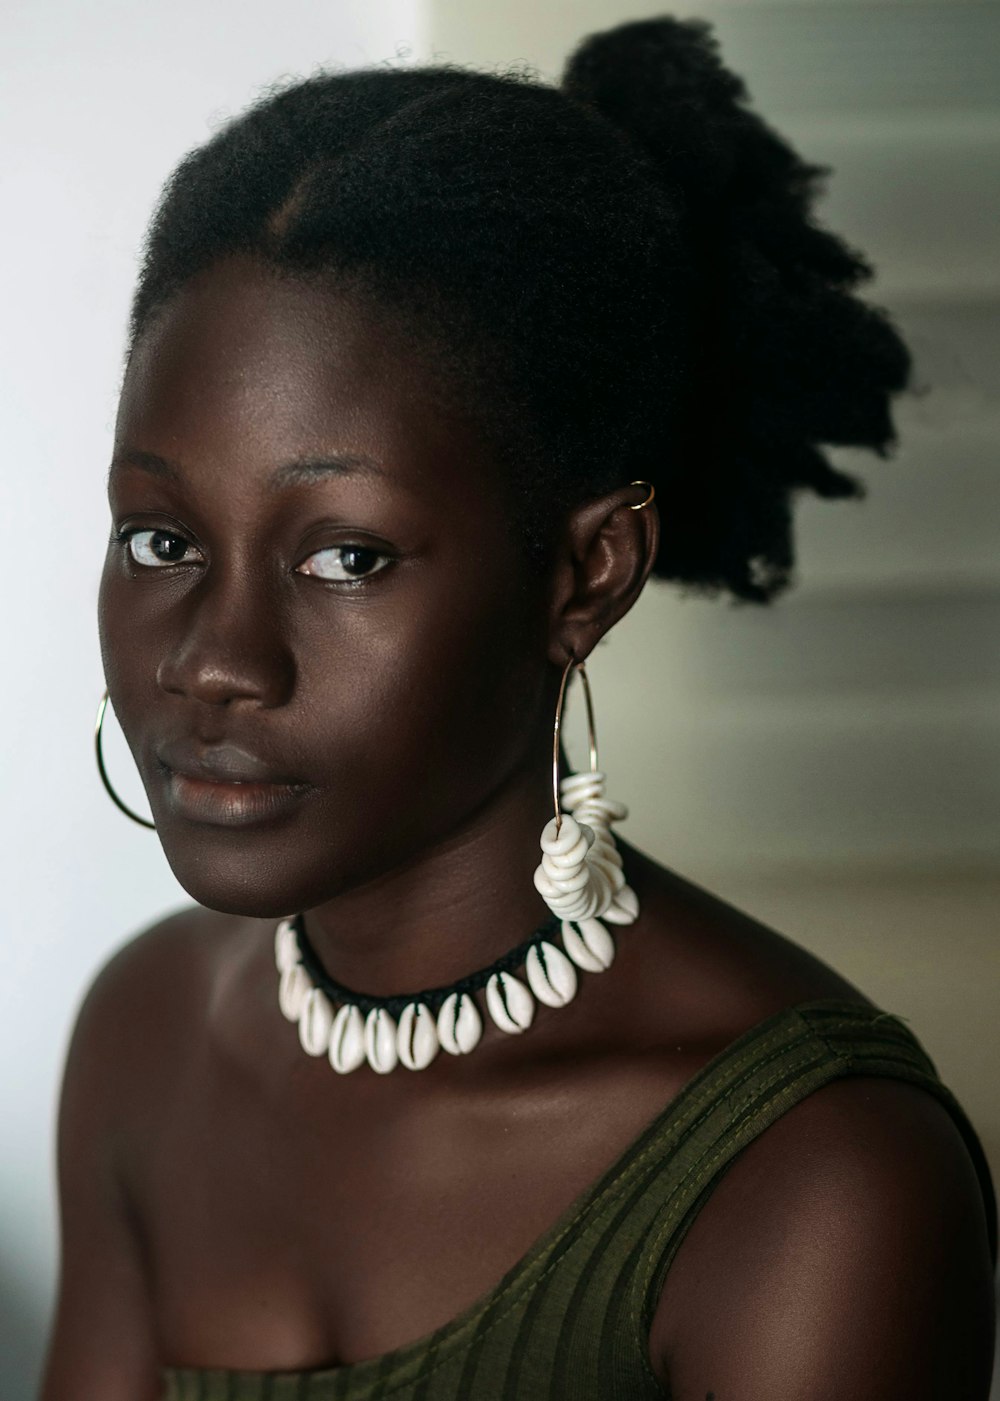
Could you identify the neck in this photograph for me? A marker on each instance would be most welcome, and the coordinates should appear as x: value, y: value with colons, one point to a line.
x: 455, y: 908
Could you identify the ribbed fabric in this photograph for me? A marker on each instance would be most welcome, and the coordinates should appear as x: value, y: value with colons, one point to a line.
x: 572, y: 1318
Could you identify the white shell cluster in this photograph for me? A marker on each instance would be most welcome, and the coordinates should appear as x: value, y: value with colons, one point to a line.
x: 580, y: 876
x: 348, y: 1037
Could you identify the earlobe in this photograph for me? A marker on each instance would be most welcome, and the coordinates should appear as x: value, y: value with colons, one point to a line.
x: 610, y: 546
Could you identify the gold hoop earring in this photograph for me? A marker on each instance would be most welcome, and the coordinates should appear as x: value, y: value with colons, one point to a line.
x: 643, y: 504
x: 591, y: 730
x: 122, y: 806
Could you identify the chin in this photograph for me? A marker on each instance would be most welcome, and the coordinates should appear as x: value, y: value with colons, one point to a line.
x: 255, y: 879
x: 229, y: 902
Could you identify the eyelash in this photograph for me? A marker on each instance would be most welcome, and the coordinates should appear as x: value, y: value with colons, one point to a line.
x: 125, y: 537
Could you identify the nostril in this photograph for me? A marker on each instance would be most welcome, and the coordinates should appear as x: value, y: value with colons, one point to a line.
x: 216, y: 677
x: 227, y: 643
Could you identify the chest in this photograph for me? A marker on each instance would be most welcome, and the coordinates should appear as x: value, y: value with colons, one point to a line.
x: 304, y: 1219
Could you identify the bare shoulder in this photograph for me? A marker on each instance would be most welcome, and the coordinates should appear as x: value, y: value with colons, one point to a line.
x: 144, y: 1006
x: 844, y: 1253
x: 714, y: 969
x: 177, y: 953
x: 185, y: 941
x: 131, y: 1038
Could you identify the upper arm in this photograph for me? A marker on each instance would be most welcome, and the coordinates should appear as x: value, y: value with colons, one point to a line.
x: 843, y: 1257
x: 102, y: 1344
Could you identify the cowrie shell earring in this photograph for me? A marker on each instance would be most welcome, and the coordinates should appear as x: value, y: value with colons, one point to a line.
x: 580, y: 875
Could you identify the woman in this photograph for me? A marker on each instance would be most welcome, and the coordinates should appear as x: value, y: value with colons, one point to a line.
x: 412, y: 351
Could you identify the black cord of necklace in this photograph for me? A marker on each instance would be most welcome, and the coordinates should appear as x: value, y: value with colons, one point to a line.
x: 432, y: 998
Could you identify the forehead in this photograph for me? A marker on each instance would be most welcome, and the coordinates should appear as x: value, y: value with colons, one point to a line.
x: 247, y: 368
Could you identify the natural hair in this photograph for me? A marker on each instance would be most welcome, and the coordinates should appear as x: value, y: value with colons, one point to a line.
x: 622, y: 273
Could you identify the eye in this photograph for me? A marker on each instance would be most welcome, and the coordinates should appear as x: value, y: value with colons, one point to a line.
x: 344, y: 563
x: 159, y: 547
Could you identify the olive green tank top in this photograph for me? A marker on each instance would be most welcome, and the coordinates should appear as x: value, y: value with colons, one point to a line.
x: 572, y: 1317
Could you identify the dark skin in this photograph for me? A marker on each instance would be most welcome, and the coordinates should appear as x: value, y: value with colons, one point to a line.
x: 229, y: 1202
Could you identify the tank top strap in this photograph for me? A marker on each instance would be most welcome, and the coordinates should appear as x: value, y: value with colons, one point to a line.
x: 758, y: 1078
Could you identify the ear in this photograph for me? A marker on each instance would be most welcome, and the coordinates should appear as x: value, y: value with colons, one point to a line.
x: 604, y: 557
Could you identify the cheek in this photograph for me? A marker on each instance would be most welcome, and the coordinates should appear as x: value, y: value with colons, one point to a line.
x: 133, y: 635
x: 430, y: 711
x: 106, y: 613
x: 121, y: 641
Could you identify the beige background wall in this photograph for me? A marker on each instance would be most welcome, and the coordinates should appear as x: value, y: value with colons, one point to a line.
x: 832, y: 763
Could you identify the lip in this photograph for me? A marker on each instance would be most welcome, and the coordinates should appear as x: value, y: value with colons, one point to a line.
x: 225, y: 785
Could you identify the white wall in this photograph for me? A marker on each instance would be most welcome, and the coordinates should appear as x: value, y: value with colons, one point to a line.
x: 98, y: 103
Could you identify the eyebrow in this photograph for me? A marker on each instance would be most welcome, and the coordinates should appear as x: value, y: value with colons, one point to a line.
x: 145, y: 462
x: 302, y: 471
x: 305, y: 470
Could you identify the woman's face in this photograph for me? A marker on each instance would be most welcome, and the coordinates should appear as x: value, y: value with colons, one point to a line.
x: 319, y: 635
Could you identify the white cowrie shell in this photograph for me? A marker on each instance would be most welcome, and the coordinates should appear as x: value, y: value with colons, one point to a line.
x: 562, y: 901
x: 611, y: 870
x: 603, y: 842
x: 567, y: 881
x: 589, y: 945
x: 598, y: 941
x: 601, y: 875
x: 294, y: 987
x: 543, y: 884
x: 602, y: 811
x: 575, y: 856
x: 602, y: 905
x: 590, y: 908
x: 624, y: 908
x: 551, y: 976
x: 578, y: 951
x: 286, y: 950
x: 566, y: 864
x: 555, y: 843
x: 459, y: 1024
x: 583, y: 903
x: 559, y: 837
x: 380, y: 1041
x: 316, y: 1023
x: 416, y: 1036
x: 511, y: 1005
x: 347, y: 1040
x: 557, y: 897
x: 576, y: 788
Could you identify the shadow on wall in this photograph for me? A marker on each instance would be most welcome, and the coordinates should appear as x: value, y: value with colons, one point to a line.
x: 23, y: 1338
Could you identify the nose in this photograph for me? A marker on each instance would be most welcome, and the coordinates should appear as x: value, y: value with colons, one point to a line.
x: 230, y: 645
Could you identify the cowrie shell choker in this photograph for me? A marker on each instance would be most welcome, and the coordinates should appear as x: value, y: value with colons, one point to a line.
x: 351, y: 1029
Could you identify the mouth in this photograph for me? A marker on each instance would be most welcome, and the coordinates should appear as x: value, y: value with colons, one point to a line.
x: 223, y: 785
